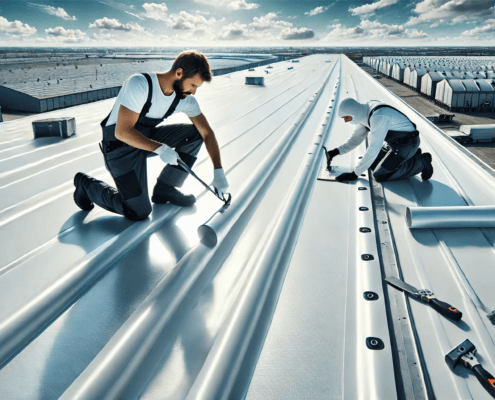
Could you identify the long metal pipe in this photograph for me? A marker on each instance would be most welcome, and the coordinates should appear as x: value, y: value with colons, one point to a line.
x: 450, y: 217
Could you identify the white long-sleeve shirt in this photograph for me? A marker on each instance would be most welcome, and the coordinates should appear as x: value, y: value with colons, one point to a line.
x: 381, y: 122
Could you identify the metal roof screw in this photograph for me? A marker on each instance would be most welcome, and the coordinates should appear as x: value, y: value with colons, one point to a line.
x: 362, y: 188
x: 365, y: 230
x: 363, y: 208
x: 374, y: 343
x: 370, y: 296
x: 367, y: 257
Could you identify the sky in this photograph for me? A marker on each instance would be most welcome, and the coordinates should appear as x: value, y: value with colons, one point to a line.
x: 91, y: 23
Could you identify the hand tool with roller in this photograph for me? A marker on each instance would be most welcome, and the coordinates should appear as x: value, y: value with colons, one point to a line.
x: 464, y: 354
x: 427, y: 296
x: 226, y: 198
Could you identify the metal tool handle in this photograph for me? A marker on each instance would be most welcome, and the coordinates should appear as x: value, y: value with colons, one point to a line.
x: 329, y: 160
x: 486, y: 379
x: 446, y: 309
x: 226, y: 198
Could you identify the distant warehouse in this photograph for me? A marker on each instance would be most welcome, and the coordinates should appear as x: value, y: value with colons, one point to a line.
x: 51, y: 93
x: 31, y: 97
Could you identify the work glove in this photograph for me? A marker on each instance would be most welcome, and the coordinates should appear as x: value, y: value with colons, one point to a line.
x: 330, y: 155
x: 219, y: 183
x: 348, y: 176
x: 167, y: 154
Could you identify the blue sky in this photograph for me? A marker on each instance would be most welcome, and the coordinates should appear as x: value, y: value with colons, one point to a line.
x: 247, y: 22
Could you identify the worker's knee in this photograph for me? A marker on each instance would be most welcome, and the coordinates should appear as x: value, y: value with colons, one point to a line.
x: 136, y: 213
x: 194, y: 135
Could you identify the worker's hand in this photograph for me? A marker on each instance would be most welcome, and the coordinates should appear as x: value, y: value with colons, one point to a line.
x: 220, y: 183
x: 330, y: 155
x: 348, y: 176
x: 167, y: 154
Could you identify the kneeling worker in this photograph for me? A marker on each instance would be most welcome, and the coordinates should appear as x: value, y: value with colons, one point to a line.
x: 393, y: 151
x: 131, y: 135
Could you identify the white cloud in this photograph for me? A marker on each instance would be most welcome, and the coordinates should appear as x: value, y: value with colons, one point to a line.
x: 241, y: 5
x: 66, y: 35
x: 370, y: 9
x: 297, y: 34
x: 318, y: 10
x: 58, y: 12
x: 371, y: 31
x: 269, y: 21
x: 113, y: 24
x: 16, y: 27
x: 184, y: 20
x: 103, y: 36
x: 234, y: 31
x: 487, y: 29
x: 438, y: 12
x: 156, y: 11
x: 231, y: 5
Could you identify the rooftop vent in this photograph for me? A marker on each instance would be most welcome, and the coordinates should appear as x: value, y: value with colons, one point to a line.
x: 54, y: 127
x: 255, y: 80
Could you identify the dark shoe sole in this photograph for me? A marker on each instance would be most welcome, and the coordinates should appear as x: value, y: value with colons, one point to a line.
x: 186, y: 201
x: 428, y: 168
x: 84, y: 203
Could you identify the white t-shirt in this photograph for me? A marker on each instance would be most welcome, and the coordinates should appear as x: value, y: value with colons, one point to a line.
x: 134, y: 93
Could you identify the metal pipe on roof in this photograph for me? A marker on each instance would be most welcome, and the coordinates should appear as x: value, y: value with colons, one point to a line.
x: 450, y: 217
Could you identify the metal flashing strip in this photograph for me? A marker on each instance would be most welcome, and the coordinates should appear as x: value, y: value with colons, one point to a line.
x: 408, y: 365
x: 364, y: 319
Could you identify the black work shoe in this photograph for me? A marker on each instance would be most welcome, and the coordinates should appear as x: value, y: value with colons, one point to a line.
x: 428, y: 168
x: 418, y: 152
x: 170, y: 194
x: 80, y: 196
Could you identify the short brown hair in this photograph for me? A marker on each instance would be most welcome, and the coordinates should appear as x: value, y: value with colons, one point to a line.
x: 192, y: 63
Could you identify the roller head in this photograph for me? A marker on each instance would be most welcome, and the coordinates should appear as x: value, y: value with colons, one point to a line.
x: 207, y: 235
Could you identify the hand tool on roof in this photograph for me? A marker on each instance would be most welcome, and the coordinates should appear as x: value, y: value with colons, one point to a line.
x: 465, y: 355
x: 226, y: 198
x: 427, y: 296
x: 329, y: 159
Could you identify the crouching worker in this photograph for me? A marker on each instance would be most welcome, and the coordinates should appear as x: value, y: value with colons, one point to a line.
x: 131, y: 135
x: 393, y: 152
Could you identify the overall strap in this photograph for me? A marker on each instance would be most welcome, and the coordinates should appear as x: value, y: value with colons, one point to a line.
x: 146, y: 106
x: 385, y: 105
x: 172, y: 107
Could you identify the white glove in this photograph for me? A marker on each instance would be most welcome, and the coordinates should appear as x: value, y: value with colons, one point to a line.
x: 167, y: 154
x: 220, y: 181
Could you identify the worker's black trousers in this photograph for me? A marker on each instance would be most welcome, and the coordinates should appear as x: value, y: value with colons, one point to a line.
x: 409, y: 164
x: 127, y: 165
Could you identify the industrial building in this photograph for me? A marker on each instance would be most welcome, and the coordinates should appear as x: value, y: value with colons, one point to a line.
x: 428, y: 74
x: 290, y: 300
x: 64, y: 85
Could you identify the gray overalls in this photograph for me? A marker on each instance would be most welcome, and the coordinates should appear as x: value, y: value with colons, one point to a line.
x: 127, y: 164
x: 397, y: 158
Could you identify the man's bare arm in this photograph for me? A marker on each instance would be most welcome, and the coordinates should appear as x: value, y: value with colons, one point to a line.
x: 125, y: 131
x: 209, y: 139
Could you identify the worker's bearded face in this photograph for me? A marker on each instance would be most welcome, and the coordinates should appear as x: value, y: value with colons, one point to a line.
x: 179, y: 89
